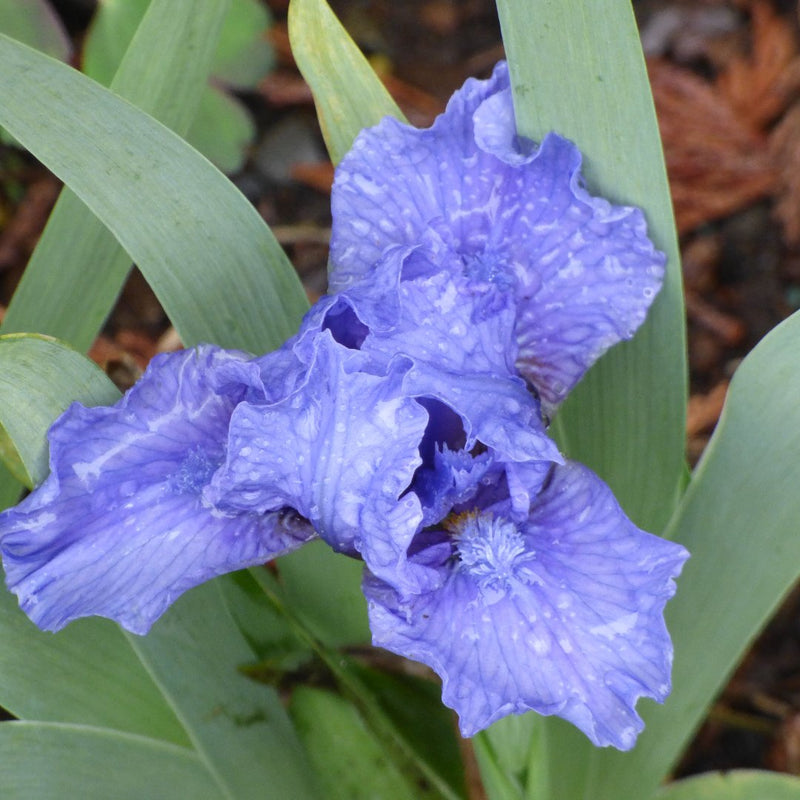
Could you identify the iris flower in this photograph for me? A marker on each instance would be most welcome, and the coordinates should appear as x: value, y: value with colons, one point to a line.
x: 473, y: 282
x: 511, y: 572
x: 547, y: 597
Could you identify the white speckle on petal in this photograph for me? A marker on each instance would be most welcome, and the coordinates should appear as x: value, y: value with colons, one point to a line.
x: 618, y: 627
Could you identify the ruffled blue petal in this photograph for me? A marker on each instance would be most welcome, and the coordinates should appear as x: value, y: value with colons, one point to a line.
x: 500, y: 211
x: 496, y: 130
x: 458, y: 340
x: 401, y: 185
x: 340, y: 451
x: 121, y: 527
x: 462, y: 351
x: 441, y: 322
x: 370, y: 305
x: 560, y: 614
x: 496, y: 412
x: 590, y: 272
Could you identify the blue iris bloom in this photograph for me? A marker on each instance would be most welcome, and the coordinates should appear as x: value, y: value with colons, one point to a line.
x: 473, y: 282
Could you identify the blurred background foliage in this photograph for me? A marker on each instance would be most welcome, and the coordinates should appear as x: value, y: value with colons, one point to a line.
x: 223, y: 128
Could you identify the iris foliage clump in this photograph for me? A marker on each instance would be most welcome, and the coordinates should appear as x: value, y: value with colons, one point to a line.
x: 511, y: 522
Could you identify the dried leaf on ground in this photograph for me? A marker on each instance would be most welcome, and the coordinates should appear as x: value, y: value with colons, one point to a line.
x: 717, y: 162
x: 728, y: 329
x: 785, y: 149
x: 704, y: 409
x: 420, y: 107
x: 20, y: 234
x: 784, y: 754
x: 758, y: 85
x: 285, y: 88
x: 122, y: 367
x: 700, y: 257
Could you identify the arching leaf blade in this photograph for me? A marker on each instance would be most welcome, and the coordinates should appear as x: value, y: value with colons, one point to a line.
x: 78, y: 268
x: 735, y: 785
x: 49, y: 761
x: 351, y: 763
x: 217, y: 269
x: 348, y: 94
x: 85, y: 674
x: 37, y: 24
x: 39, y: 378
x: 626, y: 420
x: 738, y: 519
x: 196, y: 655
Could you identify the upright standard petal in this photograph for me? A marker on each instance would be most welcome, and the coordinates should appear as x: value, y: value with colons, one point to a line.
x: 503, y: 212
x: 458, y: 340
x: 121, y: 526
x: 560, y: 613
x: 461, y: 346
